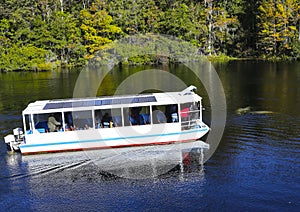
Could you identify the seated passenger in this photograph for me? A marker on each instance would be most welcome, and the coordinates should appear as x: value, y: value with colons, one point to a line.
x: 172, y: 113
x: 98, y: 125
x: 98, y: 119
x: 174, y: 117
x: 53, y: 125
x: 184, y: 113
x: 69, y: 118
x: 67, y: 128
x: 146, y: 118
x: 107, y: 121
x: 158, y: 116
x: 86, y: 127
x: 135, y: 117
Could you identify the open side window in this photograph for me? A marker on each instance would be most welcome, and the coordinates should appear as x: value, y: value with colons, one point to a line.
x: 136, y: 116
x: 82, y: 120
x: 165, y: 114
x: 108, y: 118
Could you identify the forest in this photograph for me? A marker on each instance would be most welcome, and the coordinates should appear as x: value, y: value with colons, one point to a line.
x: 48, y: 34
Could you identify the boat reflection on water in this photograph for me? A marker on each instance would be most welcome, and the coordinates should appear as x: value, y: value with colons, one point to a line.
x: 133, y: 162
x: 150, y: 161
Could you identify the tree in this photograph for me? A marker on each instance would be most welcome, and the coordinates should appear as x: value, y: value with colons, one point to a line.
x: 177, y: 22
x: 97, y: 28
x: 221, y: 27
x: 66, y: 37
x: 277, y: 26
x: 248, y: 20
x: 4, y: 35
x: 134, y: 16
x: 25, y: 58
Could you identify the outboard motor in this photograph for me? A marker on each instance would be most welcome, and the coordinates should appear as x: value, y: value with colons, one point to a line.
x: 9, y: 140
x: 13, y: 141
x: 18, y: 133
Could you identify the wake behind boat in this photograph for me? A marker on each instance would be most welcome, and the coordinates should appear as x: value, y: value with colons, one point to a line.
x: 110, y: 122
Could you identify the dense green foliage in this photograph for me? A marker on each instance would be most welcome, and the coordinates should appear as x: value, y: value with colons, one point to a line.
x: 45, y: 34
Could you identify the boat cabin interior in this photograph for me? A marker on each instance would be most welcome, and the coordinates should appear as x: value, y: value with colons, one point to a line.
x: 91, y: 118
x: 64, y: 115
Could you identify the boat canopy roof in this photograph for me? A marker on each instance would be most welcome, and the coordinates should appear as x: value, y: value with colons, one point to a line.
x: 76, y: 104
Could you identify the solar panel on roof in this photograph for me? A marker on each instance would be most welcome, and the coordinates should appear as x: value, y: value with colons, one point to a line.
x: 99, y: 102
x: 53, y: 106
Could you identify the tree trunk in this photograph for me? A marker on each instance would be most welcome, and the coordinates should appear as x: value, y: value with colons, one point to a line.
x: 209, y: 26
x: 299, y: 32
x: 61, y: 5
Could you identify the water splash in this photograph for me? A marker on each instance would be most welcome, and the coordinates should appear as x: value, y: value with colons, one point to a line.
x: 147, y: 162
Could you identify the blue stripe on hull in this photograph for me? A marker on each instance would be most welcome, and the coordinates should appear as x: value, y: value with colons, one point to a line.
x: 110, y: 139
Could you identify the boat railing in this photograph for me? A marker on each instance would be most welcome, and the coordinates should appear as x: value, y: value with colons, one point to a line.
x: 190, y: 119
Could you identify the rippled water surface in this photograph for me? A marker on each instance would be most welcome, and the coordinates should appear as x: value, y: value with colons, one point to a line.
x: 256, y: 166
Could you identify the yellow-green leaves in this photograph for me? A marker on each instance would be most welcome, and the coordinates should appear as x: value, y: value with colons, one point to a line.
x: 277, y: 26
x: 97, y: 28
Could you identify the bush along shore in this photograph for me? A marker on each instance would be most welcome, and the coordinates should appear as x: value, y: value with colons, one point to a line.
x: 47, y: 35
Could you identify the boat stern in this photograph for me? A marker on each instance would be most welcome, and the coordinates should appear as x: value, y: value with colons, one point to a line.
x: 13, y: 141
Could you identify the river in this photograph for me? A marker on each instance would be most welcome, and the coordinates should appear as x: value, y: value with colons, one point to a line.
x: 255, y: 167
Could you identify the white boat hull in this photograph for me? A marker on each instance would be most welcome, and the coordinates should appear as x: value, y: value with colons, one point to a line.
x: 109, y: 138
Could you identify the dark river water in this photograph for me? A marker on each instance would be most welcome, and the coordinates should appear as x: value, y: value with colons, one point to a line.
x: 256, y: 166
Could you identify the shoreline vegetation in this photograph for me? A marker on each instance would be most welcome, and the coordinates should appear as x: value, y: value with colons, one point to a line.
x: 54, y: 34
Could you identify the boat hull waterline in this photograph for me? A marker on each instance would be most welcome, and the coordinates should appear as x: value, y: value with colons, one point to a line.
x: 75, y: 142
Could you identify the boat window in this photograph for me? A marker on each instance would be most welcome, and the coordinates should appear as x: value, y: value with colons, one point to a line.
x: 82, y: 120
x: 47, y: 122
x: 172, y: 113
x: 69, y: 125
x: 136, y: 116
x: 108, y: 118
x: 189, y: 113
x: 28, y: 124
x: 41, y: 122
x: 164, y: 114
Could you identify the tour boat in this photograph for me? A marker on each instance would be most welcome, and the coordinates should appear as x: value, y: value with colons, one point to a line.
x: 110, y: 122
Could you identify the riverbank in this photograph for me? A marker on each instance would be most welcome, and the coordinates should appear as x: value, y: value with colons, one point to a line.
x: 136, y: 61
